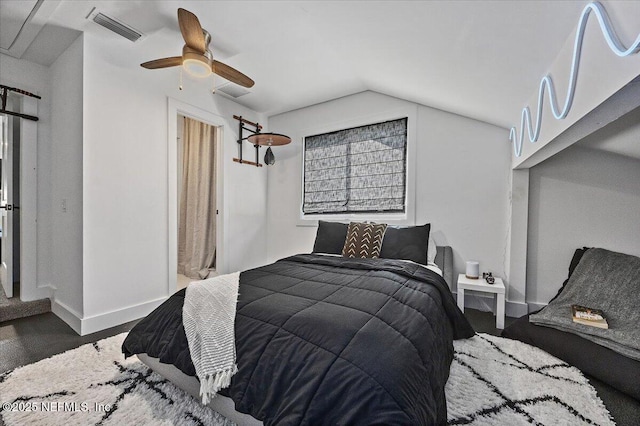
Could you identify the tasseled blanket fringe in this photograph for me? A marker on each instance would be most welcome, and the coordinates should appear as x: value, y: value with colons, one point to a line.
x: 210, y: 386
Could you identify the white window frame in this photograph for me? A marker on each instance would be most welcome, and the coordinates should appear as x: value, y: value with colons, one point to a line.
x: 406, y: 218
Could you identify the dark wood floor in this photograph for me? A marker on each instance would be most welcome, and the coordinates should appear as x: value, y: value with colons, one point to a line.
x: 485, y: 322
x: 27, y: 340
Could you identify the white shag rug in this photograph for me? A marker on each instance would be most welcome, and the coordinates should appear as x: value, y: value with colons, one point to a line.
x: 497, y: 381
x: 95, y: 385
x: 493, y: 381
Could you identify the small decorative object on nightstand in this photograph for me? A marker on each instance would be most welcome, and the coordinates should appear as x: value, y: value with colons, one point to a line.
x: 497, y: 288
x: 473, y: 270
x: 488, y: 277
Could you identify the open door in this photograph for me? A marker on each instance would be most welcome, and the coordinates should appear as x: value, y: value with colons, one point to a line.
x: 6, y: 208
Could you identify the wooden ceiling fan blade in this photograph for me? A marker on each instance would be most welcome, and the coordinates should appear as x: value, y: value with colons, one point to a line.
x: 191, y: 30
x: 163, y: 63
x: 231, y: 74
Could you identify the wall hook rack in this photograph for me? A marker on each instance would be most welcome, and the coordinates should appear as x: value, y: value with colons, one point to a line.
x: 243, y: 122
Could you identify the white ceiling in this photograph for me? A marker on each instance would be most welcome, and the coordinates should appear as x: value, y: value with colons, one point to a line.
x: 13, y: 14
x: 24, y: 25
x: 481, y: 59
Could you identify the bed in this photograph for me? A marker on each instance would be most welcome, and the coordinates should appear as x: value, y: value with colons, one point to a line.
x: 324, y: 339
x: 615, y: 376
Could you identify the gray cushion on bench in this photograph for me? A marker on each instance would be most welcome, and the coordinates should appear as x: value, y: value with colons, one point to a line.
x: 608, y: 281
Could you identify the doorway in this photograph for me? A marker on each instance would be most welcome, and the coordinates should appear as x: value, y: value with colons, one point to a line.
x: 18, y: 198
x: 176, y: 109
x: 9, y: 205
x: 197, y: 204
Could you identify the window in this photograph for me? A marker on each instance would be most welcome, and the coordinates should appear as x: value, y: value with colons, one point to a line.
x: 357, y: 170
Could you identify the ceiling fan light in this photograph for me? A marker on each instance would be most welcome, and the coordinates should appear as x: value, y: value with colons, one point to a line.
x: 197, y: 66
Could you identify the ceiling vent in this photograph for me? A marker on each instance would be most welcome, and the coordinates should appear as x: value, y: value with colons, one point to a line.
x: 232, y: 90
x: 115, y: 25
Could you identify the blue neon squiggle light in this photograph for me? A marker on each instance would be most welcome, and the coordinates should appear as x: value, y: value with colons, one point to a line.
x: 614, y: 44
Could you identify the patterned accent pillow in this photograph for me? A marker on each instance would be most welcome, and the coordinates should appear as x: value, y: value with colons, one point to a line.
x: 364, y: 240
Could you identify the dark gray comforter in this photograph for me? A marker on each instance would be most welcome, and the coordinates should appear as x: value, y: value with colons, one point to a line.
x: 323, y: 340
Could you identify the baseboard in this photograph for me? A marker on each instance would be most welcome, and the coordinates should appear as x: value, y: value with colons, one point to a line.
x: 84, y: 326
x: 66, y: 314
x: 533, y: 306
x: 486, y: 303
x: 35, y: 293
x: 101, y: 322
x: 516, y: 309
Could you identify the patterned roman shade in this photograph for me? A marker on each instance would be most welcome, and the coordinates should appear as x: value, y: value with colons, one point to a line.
x: 364, y: 240
x: 362, y: 169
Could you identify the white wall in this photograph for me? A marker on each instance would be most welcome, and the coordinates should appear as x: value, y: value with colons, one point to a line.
x: 579, y: 197
x: 463, y: 187
x: 66, y: 182
x: 125, y: 185
x: 36, y: 79
x: 102, y: 146
x: 462, y: 169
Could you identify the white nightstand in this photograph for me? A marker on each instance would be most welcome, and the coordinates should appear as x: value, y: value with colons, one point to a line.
x: 480, y: 284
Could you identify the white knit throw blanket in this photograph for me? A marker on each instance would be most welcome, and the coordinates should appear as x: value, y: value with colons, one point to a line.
x: 208, y: 316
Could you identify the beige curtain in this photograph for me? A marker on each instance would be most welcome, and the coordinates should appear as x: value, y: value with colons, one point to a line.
x: 197, y: 208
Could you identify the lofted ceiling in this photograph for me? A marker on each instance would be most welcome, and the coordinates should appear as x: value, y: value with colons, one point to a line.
x: 480, y: 59
x: 619, y: 137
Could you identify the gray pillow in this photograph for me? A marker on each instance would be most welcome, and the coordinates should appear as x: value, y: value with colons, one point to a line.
x: 330, y: 237
x: 410, y: 243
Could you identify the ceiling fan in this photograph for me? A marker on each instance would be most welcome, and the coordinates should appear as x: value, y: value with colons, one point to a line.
x: 196, y: 57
